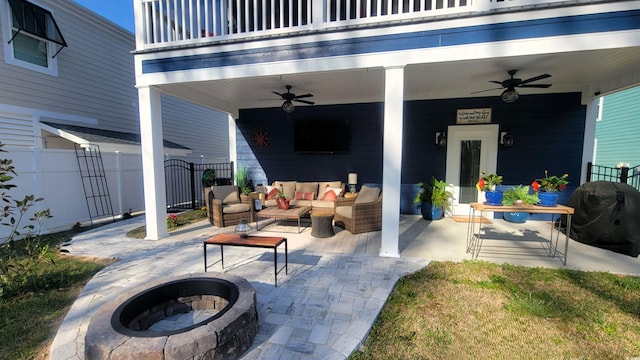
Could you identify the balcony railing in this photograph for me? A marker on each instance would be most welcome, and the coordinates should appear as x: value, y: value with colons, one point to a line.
x: 174, y: 22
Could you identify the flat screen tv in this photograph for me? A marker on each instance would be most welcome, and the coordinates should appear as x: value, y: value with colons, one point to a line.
x: 322, y: 135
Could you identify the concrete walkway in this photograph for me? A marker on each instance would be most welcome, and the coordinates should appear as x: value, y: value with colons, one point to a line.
x: 334, y: 291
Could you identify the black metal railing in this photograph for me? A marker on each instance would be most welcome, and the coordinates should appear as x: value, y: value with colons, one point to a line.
x: 628, y: 175
x: 185, y: 182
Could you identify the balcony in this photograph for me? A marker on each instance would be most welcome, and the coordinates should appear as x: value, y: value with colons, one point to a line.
x: 185, y: 23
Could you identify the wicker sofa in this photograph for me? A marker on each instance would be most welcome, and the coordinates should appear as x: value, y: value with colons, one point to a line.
x: 362, y: 214
x: 226, y: 206
x: 310, y: 193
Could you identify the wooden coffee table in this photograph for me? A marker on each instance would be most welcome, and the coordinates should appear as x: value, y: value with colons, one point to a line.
x: 292, y: 213
x: 267, y: 242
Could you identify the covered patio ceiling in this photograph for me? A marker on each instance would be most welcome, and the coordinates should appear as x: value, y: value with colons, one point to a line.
x: 603, y: 71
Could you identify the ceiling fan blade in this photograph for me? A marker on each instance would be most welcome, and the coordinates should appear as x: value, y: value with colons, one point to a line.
x: 481, y: 91
x: 536, y: 78
x: 278, y: 94
x: 496, y: 82
x: 303, y: 96
x: 304, y: 101
x: 540, y: 86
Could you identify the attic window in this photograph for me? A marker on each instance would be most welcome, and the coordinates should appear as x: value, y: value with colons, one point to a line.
x: 35, y: 21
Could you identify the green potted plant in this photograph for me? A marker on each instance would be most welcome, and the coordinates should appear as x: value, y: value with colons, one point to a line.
x: 433, y: 198
x: 242, y: 181
x: 519, y: 196
x: 550, y: 187
x: 488, y: 184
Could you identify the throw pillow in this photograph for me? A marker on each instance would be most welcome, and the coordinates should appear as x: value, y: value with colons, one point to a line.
x: 300, y: 195
x: 331, y: 194
x: 231, y: 198
x: 272, y: 191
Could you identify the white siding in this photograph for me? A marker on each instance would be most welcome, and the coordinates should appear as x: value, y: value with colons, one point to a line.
x: 95, y: 87
x: 203, y: 130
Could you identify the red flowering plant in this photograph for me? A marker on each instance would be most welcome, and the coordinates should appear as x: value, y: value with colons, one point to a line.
x: 172, y: 221
x: 488, y: 182
x: 550, y: 183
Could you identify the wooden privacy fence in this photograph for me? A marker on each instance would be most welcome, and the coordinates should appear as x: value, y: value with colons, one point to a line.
x: 624, y: 174
x: 185, y: 182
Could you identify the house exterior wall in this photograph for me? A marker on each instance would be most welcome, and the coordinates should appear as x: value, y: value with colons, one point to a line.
x: 618, y: 129
x: 548, y: 134
x: 94, y: 86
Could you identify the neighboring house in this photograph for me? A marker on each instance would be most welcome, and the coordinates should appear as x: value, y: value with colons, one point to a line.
x: 421, y: 87
x: 618, y: 129
x: 67, y: 77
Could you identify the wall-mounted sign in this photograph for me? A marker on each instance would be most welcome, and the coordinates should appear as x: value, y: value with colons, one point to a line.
x: 473, y: 116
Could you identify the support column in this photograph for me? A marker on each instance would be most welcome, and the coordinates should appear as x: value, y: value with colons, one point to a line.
x: 155, y: 199
x: 589, y: 143
x: 392, y: 160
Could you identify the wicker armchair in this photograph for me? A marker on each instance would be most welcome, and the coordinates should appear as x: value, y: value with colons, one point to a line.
x: 227, y: 207
x: 360, y: 214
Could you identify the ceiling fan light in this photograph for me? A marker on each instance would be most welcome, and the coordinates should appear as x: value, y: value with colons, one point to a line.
x: 510, y: 95
x: 288, y: 106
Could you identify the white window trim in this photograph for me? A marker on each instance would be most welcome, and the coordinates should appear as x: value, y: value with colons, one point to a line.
x: 9, y: 58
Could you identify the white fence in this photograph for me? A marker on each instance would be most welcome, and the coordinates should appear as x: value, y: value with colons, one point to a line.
x: 54, y: 175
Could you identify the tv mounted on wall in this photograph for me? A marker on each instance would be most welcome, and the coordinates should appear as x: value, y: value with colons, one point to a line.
x: 321, y: 135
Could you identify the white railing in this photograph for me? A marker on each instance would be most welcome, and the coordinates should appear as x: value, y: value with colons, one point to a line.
x: 167, y: 22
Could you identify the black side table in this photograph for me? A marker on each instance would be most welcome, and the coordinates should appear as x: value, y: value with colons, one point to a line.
x: 322, y: 224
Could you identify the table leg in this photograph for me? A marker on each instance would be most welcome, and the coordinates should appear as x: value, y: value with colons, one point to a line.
x: 221, y: 257
x: 275, y: 265
x: 286, y: 258
x: 567, y: 232
x: 204, y: 248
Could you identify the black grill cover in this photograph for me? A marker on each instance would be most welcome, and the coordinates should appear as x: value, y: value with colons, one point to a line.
x: 607, y: 215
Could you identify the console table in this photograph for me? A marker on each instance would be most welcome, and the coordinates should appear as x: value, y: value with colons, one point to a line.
x: 268, y: 242
x: 475, y: 235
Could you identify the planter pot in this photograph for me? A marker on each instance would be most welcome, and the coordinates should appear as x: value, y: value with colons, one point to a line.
x: 282, y: 203
x: 493, y: 197
x: 431, y: 212
x: 515, y: 217
x: 549, y: 199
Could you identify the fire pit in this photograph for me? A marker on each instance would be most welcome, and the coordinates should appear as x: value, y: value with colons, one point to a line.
x: 204, y: 316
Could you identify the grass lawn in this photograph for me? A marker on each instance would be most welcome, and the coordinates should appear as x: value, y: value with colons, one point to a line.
x: 475, y: 309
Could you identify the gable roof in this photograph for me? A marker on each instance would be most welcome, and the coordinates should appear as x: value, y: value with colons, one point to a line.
x: 108, y: 140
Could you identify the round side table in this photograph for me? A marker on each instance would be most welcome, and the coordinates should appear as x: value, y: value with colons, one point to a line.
x: 322, y: 224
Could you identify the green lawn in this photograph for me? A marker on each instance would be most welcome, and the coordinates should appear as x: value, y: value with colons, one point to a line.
x: 475, y: 310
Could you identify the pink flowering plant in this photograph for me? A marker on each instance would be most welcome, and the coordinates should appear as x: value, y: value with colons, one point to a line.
x: 550, y: 183
x: 172, y: 221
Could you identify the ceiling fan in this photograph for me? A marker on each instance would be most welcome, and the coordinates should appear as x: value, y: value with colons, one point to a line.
x: 510, y: 94
x: 288, y: 97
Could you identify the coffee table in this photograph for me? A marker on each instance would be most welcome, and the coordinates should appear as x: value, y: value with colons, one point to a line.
x: 266, y: 242
x: 292, y: 213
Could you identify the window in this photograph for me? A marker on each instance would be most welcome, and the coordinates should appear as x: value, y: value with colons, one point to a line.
x: 34, y: 37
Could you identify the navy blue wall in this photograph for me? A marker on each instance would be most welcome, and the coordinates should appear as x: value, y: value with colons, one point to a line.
x: 548, y: 133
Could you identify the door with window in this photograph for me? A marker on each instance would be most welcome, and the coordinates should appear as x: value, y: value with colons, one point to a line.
x: 471, y: 149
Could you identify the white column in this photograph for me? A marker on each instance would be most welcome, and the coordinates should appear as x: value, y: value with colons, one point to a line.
x: 392, y: 160
x: 155, y: 199
x: 588, y: 144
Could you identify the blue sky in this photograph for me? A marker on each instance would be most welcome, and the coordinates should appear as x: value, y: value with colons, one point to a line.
x: 118, y: 11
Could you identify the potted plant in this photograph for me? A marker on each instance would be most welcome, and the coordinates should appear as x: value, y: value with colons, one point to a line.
x: 487, y: 183
x: 433, y: 198
x: 209, y: 178
x: 549, y: 187
x: 281, y: 201
x: 519, y: 196
x: 242, y: 181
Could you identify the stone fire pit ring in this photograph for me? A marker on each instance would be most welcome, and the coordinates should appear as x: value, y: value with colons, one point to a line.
x: 120, y: 329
